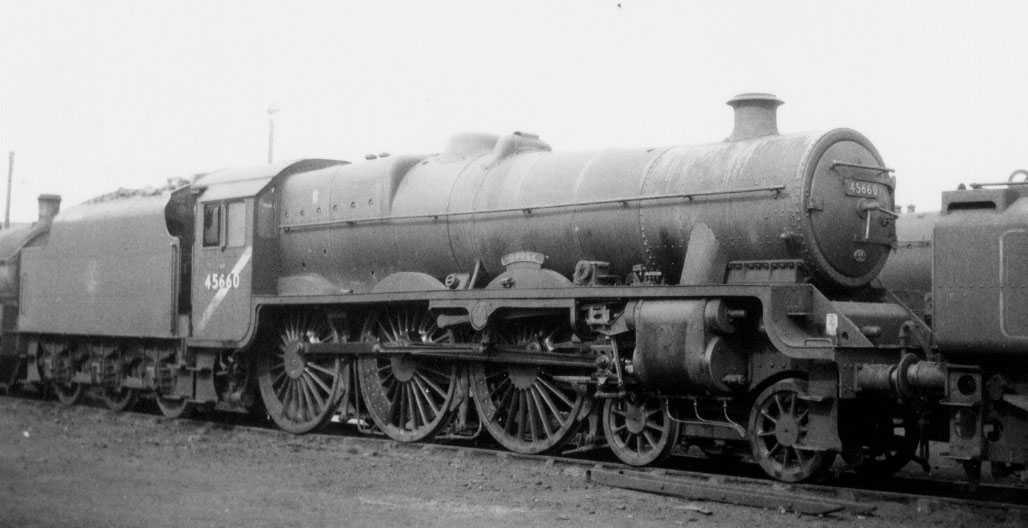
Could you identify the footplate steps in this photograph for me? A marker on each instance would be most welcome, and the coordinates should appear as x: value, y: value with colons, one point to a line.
x: 711, y: 490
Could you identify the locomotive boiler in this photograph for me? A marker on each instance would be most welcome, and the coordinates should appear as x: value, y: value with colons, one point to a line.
x: 823, y: 198
x: 716, y: 295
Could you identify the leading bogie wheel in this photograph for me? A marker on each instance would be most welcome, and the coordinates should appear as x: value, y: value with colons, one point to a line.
x: 299, y: 390
x: 639, y: 429
x: 778, y: 428
x: 409, y: 399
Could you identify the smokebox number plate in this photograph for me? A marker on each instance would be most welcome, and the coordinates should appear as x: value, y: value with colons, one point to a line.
x: 864, y: 189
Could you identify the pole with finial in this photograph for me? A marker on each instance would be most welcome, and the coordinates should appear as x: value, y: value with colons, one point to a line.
x: 10, y: 179
x: 272, y: 110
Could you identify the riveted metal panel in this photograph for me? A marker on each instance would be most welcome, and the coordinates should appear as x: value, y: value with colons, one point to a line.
x: 980, y: 276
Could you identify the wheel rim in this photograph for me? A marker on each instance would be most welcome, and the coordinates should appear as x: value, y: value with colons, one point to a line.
x: 299, y: 390
x: 119, y: 399
x: 778, y: 426
x: 409, y: 399
x: 68, y: 393
x: 526, y: 409
x: 638, y: 430
x: 172, y: 408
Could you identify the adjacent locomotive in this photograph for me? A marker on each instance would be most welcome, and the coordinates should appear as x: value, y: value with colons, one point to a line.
x: 717, y: 295
x: 963, y: 269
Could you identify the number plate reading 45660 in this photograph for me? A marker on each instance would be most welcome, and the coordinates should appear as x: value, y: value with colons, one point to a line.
x: 221, y: 281
x: 864, y: 189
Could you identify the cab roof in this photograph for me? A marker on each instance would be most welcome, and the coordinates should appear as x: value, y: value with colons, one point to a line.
x: 250, y: 181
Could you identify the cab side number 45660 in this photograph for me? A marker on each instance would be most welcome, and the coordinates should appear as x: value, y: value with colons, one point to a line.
x: 220, y: 281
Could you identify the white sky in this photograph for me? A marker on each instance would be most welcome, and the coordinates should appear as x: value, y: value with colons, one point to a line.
x: 95, y: 95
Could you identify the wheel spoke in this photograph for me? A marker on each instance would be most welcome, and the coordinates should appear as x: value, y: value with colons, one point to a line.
x: 279, y: 377
x: 395, y: 404
x: 503, y: 403
x: 530, y: 414
x: 317, y: 381
x: 417, y: 396
x: 512, y: 410
x: 649, y: 438
x: 305, y: 401
x: 555, y: 391
x: 554, y: 412
x: 424, y: 379
x: 330, y: 373
x: 543, y: 418
x: 655, y: 427
x: 423, y: 393
x: 409, y: 416
x: 314, y: 392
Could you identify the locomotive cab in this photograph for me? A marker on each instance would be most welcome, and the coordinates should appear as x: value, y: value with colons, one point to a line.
x: 235, y: 238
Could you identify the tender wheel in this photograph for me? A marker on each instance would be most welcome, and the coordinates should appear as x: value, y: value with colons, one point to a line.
x: 526, y: 409
x: 68, y: 393
x: 778, y: 425
x: 174, y: 408
x: 638, y: 429
x: 299, y: 391
x: 409, y: 399
x: 889, y: 441
x: 119, y: 399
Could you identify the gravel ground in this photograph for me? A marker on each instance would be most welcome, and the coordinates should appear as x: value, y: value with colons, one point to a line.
x: 85, y: 467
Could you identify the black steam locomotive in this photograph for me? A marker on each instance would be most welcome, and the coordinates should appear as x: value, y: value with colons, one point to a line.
x: 718, y: 295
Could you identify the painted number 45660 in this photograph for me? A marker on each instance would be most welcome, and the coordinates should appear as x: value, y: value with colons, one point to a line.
x: 220, y: 281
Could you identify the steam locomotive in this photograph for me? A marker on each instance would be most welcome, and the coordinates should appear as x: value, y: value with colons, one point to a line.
x: 722, y: 296
x: 961, y: 271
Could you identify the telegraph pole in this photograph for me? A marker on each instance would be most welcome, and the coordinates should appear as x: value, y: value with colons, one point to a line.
x: 272, y: 110
x: 10, y: 178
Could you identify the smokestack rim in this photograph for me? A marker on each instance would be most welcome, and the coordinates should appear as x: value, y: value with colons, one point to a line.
x: 755, y: 97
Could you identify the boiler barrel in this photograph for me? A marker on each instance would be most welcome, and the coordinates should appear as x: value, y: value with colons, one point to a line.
x: 818, y: 197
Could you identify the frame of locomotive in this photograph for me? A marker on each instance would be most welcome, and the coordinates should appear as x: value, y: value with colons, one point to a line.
x: 182, y: 295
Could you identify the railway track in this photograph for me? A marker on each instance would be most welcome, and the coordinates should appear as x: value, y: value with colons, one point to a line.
x: 704, y: 480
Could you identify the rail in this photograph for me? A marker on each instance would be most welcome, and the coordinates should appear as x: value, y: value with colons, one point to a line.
x: 530, y: 209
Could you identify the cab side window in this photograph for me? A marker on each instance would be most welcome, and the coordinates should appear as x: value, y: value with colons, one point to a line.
x: 211, y: 225
x: 266, y: 214
x: 236, y: 224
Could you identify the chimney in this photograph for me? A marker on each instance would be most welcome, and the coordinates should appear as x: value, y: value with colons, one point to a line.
x: 755, y: 115
x: 49, y: 206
